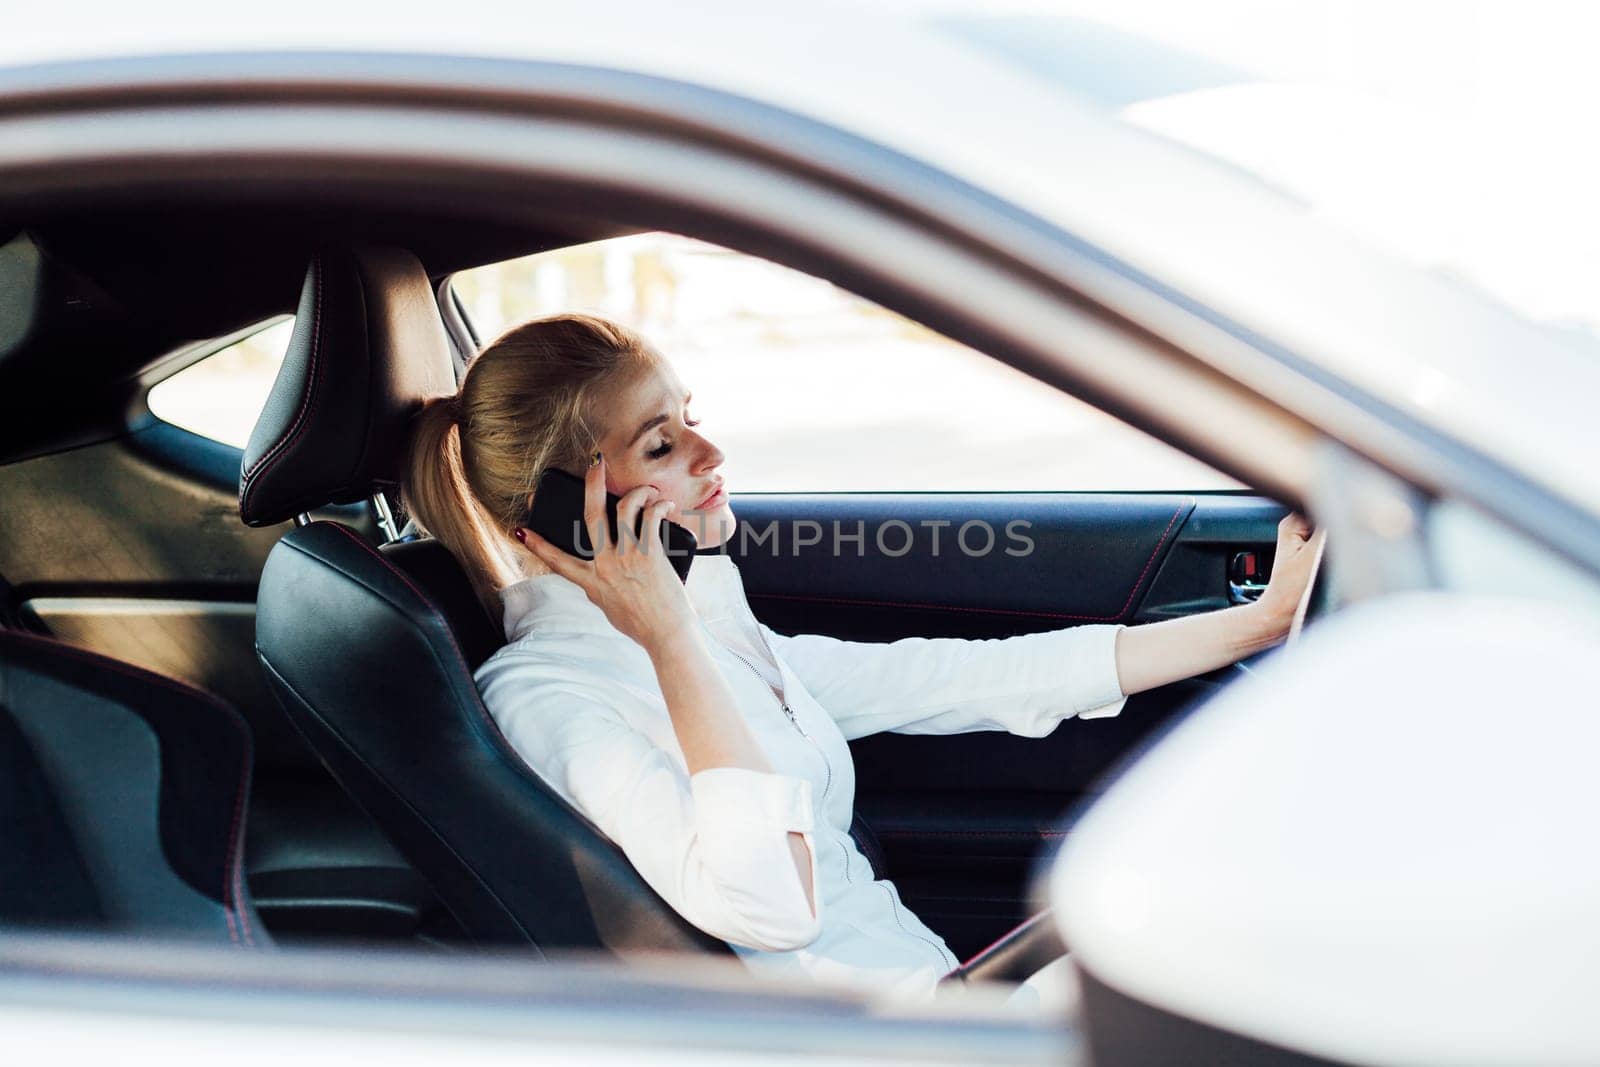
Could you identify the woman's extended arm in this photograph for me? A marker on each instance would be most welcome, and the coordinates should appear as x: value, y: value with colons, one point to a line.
x: 641, y: 595
x: 1159, y: 653
x: 1028, y: 683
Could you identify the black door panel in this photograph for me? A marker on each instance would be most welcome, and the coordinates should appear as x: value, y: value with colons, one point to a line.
x: 1052, y: 560
x: 1194, y: 576
x: 964, y: 819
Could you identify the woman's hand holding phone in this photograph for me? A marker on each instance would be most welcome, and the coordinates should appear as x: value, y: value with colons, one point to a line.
x: 631, y: 579
x: 642, y: 595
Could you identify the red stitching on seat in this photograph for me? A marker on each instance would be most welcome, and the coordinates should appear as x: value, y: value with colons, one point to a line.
x: 232, y: 896
x: 428, y: 602
x: 1139, y: 581
x: 308, y: 399
x: 235, y: 900
x: 418, y: 593
x: 73, y: 651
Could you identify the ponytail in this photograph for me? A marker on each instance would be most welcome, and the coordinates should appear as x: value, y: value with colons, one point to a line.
x: 436, y: 496
x: 527, y: 403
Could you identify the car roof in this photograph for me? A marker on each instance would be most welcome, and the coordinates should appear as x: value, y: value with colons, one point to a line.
x: 1232, y: 252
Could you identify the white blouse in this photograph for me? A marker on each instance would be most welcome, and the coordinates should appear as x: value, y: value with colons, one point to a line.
x: 580, y: 701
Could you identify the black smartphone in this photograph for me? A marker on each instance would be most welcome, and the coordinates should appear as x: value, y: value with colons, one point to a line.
x: 557, y: 516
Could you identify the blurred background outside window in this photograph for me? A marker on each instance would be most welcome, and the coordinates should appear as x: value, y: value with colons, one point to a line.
x: 220, y: 396
x: 808, y: 388
x: 805, y: 387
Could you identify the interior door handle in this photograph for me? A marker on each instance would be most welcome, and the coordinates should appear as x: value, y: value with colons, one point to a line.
x: 1245, y: 592
x: 1246, y: 580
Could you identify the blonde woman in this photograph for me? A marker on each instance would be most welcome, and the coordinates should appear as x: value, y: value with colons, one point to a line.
x: 709, y: 748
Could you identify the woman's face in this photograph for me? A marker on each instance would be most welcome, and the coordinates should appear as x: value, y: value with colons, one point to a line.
x: 653, y: 440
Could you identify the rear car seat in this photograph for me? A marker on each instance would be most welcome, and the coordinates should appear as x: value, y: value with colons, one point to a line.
x: 125, y: 795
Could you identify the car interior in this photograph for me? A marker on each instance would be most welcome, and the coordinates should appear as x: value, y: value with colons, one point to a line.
x: 253, y: 643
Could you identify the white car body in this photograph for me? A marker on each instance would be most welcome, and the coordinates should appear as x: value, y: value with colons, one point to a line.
x: 1254, y: 265
x: 1415, y: 376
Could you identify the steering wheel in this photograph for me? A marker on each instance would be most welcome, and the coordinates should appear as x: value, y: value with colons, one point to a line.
x: 1317, y: 598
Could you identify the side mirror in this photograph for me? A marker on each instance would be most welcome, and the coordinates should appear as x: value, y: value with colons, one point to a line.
x: 1379, y: 847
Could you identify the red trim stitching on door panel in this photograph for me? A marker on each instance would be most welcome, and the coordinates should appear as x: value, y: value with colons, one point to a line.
x: 1137, y: 583
x: 1153, y: 554
x: 922, y: 607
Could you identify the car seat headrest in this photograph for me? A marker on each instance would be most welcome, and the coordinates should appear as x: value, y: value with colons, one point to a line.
x: 368, y: 348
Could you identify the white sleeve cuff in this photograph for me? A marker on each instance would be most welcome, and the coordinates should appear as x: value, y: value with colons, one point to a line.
x: 729, y: 797
x: 744, y: 819
x: 1096, y: 689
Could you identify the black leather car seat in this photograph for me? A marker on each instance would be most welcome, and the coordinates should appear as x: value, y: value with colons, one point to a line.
x: 124, y: 797
x: 371, y: 650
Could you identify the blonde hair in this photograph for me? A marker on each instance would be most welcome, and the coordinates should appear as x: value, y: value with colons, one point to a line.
x: 529, y: 401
